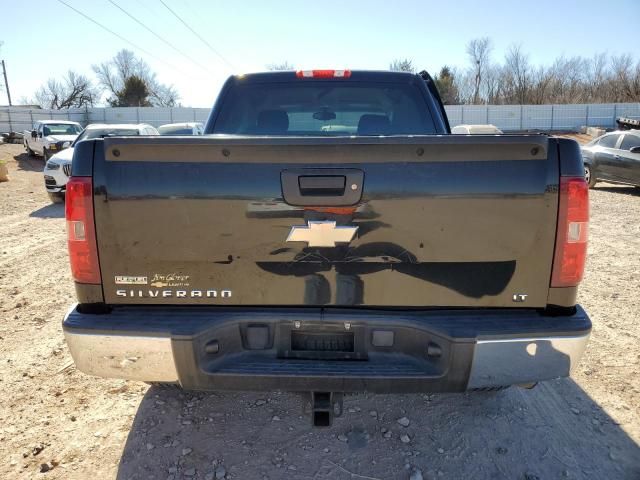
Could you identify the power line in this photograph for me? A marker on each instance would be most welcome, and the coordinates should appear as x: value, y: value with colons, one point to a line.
x: 162, y: 39
x: 229, y: 64
x: 119, y: 36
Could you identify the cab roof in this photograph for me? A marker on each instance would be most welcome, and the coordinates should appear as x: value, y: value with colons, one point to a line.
x: 355, y: 75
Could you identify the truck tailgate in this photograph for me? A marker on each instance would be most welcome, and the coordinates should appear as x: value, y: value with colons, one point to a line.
x: 441, y: 220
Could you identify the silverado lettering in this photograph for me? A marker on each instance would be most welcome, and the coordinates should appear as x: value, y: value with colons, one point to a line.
x: 176, y: 293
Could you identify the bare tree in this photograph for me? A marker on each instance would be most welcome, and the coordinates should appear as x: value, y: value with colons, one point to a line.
x: 72, y: 91
x: 465, y: 85
x: 402, y: 65
x: 492, y: 88
x: 570, y: 76
x: 113, y: 74
x: 517, y: 75
x: 566, y: 80
x: 162, y: 95
x: 596, y: 77
x: 626, y: 78
x: 479, y: 51
x: 542, y: 82
x: 280, y: 66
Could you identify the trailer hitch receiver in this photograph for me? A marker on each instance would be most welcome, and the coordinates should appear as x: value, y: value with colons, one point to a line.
x: 324, y: 406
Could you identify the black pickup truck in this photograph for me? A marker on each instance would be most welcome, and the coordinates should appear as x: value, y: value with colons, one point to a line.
x: 328, y: 235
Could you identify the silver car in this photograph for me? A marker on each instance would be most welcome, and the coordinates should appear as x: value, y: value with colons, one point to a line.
x: 187, y: 128
x: 57, y: 170
x: 613, y: 157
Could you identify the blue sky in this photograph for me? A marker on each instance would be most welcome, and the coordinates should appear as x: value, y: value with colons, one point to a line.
x: 45, y: 38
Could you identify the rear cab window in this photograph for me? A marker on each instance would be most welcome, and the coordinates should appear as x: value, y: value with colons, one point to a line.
x: 310, y: 107
x: 60, y: 129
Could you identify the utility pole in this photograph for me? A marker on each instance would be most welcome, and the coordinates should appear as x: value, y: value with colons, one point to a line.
x: 6, y: 82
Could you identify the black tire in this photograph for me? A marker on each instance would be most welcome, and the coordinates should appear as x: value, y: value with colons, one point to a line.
x: 45, y: 154
x: 56, y: 197
x: 30, y: 152
x: 589, y: 176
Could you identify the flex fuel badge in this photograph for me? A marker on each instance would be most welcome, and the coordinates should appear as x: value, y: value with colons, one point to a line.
x: 130, y: 280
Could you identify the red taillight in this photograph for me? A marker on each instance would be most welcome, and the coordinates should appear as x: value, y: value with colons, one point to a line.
x: 571, y: 238
x: 81, y: 235
x: 323, y: 73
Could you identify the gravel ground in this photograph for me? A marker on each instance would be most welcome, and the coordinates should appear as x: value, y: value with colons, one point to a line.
x: 56, y: 422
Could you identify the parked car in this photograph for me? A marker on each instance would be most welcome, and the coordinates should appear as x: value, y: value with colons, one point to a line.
x: 48, y: 137
x: 57, y: 170
x: 188, y: 128
x: 613, y: 157
x: 397, y: 259
x: 487, y: 129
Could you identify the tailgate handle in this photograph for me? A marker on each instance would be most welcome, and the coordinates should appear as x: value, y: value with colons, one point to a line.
x: 322, y: 186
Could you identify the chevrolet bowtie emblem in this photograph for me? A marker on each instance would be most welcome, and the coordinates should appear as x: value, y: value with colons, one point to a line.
x: 321, y: 234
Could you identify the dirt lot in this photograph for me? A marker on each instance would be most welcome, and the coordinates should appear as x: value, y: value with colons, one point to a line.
x: 55, y: 418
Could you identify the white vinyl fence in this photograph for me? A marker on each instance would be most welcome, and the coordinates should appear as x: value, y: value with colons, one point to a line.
x: 16, y: 119
x: 543, y: 117
x: 505, y: 117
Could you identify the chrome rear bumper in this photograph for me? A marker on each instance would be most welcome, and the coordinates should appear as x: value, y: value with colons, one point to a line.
x: 495, y: 362
x: 479, y: 349
x: 148, y: 359
x: 512, y: 361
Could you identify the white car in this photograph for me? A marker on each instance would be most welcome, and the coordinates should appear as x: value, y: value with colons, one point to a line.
x: 50, y: 136
x: 188, y: 128
x: 487, y: 129
x: 57, y: 170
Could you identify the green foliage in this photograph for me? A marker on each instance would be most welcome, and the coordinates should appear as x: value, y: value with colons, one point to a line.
x: 113, y: 74
x: 446, y: 84
x: 134, y: 93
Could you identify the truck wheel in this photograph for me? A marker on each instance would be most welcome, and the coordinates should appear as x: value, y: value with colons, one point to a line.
x: 589, y: 177
x: 56, y: 197
x: 45, y: 154
x: 30, y: 152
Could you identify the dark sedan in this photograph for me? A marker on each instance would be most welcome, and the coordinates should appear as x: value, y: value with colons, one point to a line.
x: 613, y: 157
